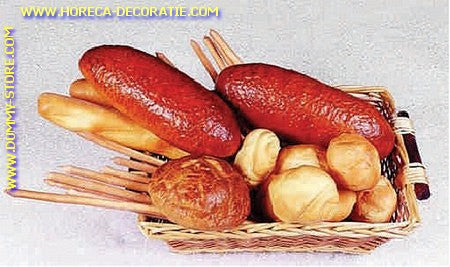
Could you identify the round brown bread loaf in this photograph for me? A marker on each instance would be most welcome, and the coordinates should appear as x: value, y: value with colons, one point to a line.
x: 201, y: 192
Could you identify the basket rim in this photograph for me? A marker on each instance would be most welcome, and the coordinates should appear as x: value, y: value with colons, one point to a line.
x: 254, y: 229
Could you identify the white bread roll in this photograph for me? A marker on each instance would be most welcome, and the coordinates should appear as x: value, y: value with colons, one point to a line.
x: 342, y: 210
x: 376, y: 205
x: 258, y: 155
x: 299, y: 195
x: 291, y: 157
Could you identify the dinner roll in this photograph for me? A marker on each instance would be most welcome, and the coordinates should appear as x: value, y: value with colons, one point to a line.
x: 375, y: 205
x: 258, y: 155
x: 200, y: 192
x: 342, y: 210
x: 298, y: 155
x: 353, y: 162
x: 299, y: 195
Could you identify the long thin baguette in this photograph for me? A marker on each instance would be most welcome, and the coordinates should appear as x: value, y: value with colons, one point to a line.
x: 81, y: 116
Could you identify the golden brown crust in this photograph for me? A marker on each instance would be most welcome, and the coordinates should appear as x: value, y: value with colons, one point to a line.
x: 322, y: 156
x: 258, y: 155
x: 342, y: 210
x: 376, y: 205
x: 82, y: 116
x: 299, y: 195
x: 82, y: 89
x: 353, y: 162
x: 291, y: 157
x: 201, y: 192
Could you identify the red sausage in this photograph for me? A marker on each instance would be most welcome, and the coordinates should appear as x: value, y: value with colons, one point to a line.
x: 301, y: 108
x: 163, y: 99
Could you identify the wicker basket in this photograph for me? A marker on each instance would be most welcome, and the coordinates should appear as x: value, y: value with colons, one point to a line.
x: 348, y: 237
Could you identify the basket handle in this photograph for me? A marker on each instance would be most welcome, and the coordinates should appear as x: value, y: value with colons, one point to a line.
x: 415, y: 170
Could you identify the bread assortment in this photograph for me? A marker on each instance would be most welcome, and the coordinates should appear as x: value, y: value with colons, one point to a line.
x: 310, y: 153
x: 306, y: 186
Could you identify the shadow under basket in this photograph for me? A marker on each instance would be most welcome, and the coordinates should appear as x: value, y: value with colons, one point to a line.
x: 347, y: 237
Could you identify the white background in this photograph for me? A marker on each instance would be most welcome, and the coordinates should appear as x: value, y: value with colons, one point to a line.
x: 398, y: 44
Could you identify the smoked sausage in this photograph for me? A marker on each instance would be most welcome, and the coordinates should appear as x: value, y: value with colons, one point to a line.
x: 300, y: 108
x: 162, y: 99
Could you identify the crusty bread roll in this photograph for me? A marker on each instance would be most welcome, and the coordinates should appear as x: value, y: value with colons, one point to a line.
x: 82, y: 89
x: 201, y: 192
x: 81, y: 116
x: 258, y: 155
x: 353, y: 162
x: 291, y: 157
x: 341, y: 210
x: 299, y: 195
x: 375, y: 205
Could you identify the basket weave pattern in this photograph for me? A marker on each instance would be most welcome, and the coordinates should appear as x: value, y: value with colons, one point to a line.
x: 348, y: 237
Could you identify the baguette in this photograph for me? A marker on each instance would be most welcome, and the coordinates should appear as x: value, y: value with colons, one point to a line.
x: 299, y: 108
x: 162, y: 99
x: 81, y: 116
x: 82, y: 89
